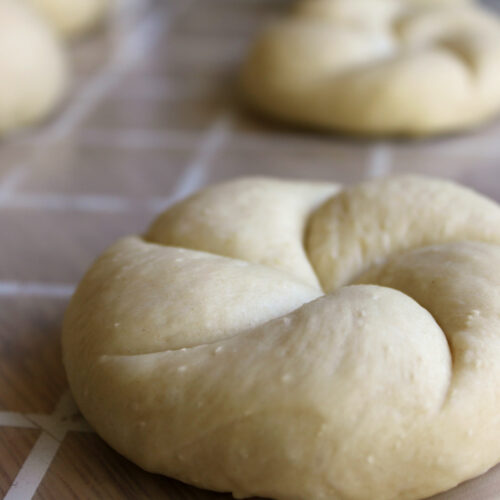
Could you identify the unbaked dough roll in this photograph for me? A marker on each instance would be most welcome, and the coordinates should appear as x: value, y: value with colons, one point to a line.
x: 209, y: 352
x: 378, y: 67
x: 33, y: 67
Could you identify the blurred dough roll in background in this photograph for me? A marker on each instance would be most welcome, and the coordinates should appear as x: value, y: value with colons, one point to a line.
x: 402, y: 67
x: 33, y: 62
x: 33, y: 66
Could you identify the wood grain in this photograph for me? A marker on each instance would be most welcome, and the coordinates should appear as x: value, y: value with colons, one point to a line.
x: 31, y: 373
x: 85, y: 467
x: 15, y: 444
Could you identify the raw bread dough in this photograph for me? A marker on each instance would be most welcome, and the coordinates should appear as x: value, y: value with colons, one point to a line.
x: 207, y: 350
x: 33, y: 67
x: 73, y: 17
x: 378, y: 66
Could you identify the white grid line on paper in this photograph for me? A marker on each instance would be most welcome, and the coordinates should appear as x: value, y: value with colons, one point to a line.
x: 65, y: 417
x: 54, y: 427
x: 196, y: 171
x: 33, y: 470
x: 22, y: 288
x: 15, y: 419
x: 126, y: 54
x: 139, y: 138
x: 157, y: 88
x: 82, y: 203
x: 273, y: 141
x: 158, y: 139
x: 380, y: 162
x: 11, y: 180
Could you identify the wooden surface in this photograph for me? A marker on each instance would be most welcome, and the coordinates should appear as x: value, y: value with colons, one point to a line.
x: 152, y: 117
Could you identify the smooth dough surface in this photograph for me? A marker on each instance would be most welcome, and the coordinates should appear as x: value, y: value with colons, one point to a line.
x: 73, y: 17
x: 378, y: 66
x: 33, y: 67
x: 295, y: 340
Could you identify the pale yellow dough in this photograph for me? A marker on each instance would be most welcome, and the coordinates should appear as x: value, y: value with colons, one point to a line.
x: 73, y: 17
x: 378, y: 66
x: 33, y: 67
x: 207, y: 350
